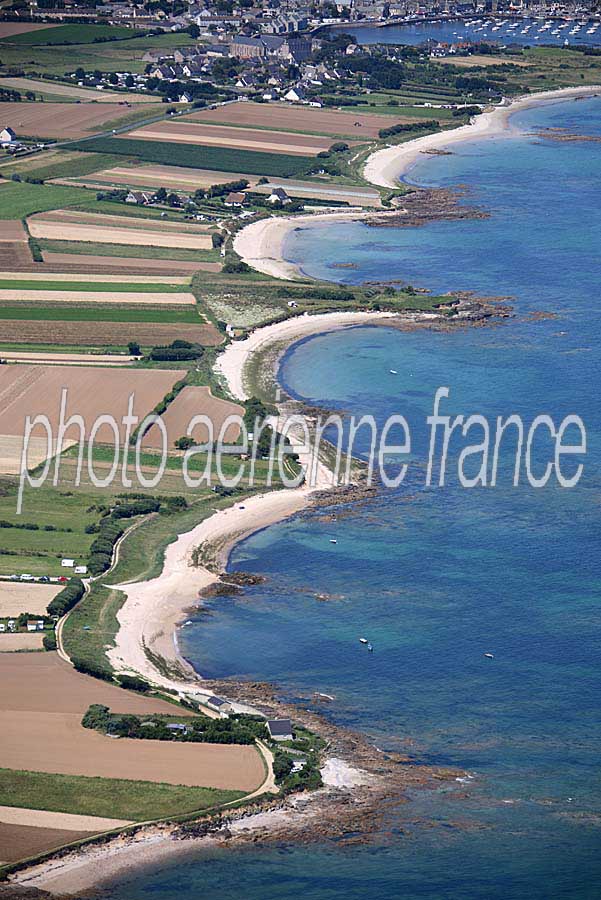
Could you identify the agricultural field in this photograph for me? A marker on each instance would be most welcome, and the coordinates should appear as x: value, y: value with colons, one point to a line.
x: 61, y: 517
x: 221, y: 159
x: 19, y: 597
x: 51, y: 763
x: 182, y: 132
x: 66, y: 120
x: 73, y: 92
x: 48, y: 35
x: 356, y: 125
x: 169, y: 177
x: 192, y: 401
x: 14, y: 243
x: 29, y: 390
x: 10, y: 30
x: 59, y: 225
x: 18, y: 200
x: 19, y: 643
x: 134, y: 264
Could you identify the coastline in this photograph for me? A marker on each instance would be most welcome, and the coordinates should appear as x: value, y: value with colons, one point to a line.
x: 260, y: 244
x: 149, y: 613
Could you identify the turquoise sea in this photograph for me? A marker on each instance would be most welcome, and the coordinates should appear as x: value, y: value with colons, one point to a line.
x: 437, y: 577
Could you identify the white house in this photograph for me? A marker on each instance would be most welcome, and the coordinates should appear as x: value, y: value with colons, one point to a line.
x: 7, y: 136
x: 279, y: 195
x: 81, y: 570
x: 67, y: 563
x: 296, y: 95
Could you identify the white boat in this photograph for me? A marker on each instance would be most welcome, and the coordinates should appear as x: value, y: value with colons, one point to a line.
x: 489, y: 655
x: 363, y: 641
x: 393, y: 372
x: 333, y: 541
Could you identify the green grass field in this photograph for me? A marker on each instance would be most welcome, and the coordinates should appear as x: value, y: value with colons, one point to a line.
x: 115, y: 798
x: 16, y: 284
x: 63, y: 165
x: 69, y: 34
x: 66, y: 312
x: 220, y: 159
x: 40, y: 552
x: 20, y: 199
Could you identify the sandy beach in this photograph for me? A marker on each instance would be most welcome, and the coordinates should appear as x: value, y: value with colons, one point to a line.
x: 152, y: 610
x: 386, y: 167
x: 261, y: 243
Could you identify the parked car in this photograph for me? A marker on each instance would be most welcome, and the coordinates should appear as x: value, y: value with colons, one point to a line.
x: 44, y: 579
x: 26, y: 577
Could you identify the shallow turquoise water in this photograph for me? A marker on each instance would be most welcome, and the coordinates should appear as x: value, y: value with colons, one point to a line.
x: 436, y: 577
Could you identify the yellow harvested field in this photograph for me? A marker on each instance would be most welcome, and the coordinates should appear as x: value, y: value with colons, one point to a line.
x: 16, y: 643
x: 11, y: 447
x: 478, y: 60
x: 42, y: 818
x: 42, y: 701
x: 75, y: 217
x: 17, y: 597
x: 102, y: 297
x: 183, y: 132
x: 72, y: 90
x: 190, y: 402
x: 169, y: 177
x: 91, y: 392
x: 101, y: 279
x: 62, y: 120
x: 102, y: 359
x: 99, y: 234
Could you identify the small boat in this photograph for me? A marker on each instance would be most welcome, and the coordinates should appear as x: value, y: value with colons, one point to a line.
x: 370, y: 648
x: 363, y: 641
x: 333, y: 541
x: 489, y: 655
x: 393, y: 372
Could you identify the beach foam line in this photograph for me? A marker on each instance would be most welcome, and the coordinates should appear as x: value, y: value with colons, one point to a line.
x: 387, y: 166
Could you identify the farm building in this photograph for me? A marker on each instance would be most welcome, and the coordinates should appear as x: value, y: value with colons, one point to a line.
x: 279, y: 195
x: 235, y: 198
x: 280, y: 729
x: 223, y: 707
x: 7, y: 136
x: 141, y: 198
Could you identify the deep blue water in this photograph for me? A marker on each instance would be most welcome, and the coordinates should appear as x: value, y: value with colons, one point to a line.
x: 437, y: 577
x: 491, y: 29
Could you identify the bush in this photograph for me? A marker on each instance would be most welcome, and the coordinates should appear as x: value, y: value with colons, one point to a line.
x: 49, y: 641
x: 132, y: 683
x: 67, y: 598
x: 235, y: 267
